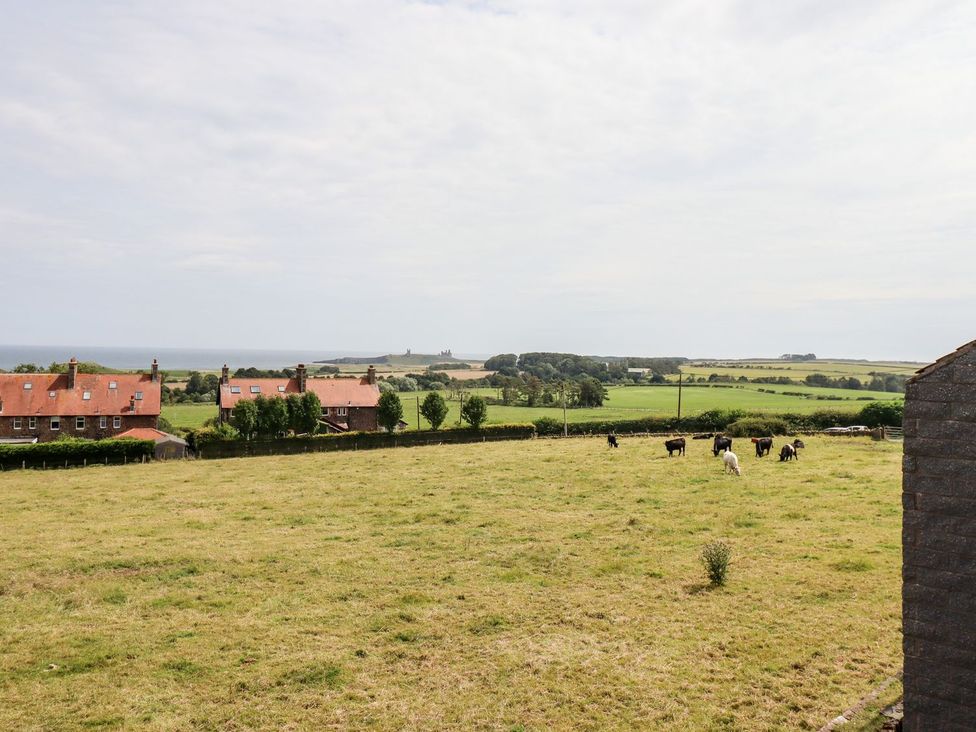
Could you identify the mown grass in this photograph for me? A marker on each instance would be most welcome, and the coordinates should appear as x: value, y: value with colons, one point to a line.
x: 540, y: 585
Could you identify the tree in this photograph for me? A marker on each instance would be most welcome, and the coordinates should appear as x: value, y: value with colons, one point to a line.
x: 246, y: 418
x: 889, y: 414
x: 389, y: 411
x: 475, y: 411
x: 533, y: 390
x: 502, y: 360
x: 194, y: 384
x: 591, y: 392
x: 27, y: 368
x: 295, y: 408
x: 434, y: 409
x: 310, y: 412
x: 272, y: 416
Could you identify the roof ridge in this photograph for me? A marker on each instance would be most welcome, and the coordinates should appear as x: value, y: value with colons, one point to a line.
x: 944, y: 361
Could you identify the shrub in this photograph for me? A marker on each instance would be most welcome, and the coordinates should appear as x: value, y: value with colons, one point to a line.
x: 889, y: 414
x: 474, y: 411
x: 245, y: 416
x: 434, y: 409
x: 548, y: 426
x: 389, y: 411
x: 758, y: 427
x: 75, y: 452
x: 716, y: 557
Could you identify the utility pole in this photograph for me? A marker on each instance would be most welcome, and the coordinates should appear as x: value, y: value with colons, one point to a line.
x: 679, y: 393
x: 565, y: 423
x: 460, y: 407
x: 418, y: 414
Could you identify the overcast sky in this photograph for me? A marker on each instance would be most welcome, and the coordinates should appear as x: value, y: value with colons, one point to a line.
x: 696, y: 178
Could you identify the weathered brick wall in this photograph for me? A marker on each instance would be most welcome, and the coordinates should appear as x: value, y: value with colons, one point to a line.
x: 92, y: 431
x: 939, y: 548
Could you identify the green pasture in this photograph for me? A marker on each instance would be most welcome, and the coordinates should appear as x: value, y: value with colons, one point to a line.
x: 548, y: 584
x: 797, y: 370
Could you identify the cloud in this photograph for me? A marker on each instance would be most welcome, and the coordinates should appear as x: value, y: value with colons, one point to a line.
x: 547, y: 164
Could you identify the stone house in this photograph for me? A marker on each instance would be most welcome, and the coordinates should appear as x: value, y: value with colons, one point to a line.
x: 347, y: 404
x: 93, y: 406
x: 939, y: 545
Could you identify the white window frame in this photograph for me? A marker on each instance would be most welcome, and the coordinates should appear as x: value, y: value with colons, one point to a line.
x: 235, y: 390
x: 18, y: 424
x: 28, y: 385
x: 32, y: 423
x: 86, y: 396
x: 326, y: 411
x: 138, y: 396
x: 255, y: 388
x: 102, y: 422
x: 79, y: 423
x: 116, y: 423
x: 281, y: 389
x: 55, y: 424
x: 342, y: 412
x: 113, y: 385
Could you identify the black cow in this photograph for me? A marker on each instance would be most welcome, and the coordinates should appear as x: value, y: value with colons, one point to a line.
x: 763, y: 445
x: 721, y: 443
x: 788, y: 452
x: 675, y: 445
x: 612, y: 440
x: 798, y: 443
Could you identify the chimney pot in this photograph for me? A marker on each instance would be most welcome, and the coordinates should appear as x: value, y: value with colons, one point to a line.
x: 72, y: 372
x: 155, y: 370
x: 225, y: 375
x: 301, y: 375
x: 371, y: 375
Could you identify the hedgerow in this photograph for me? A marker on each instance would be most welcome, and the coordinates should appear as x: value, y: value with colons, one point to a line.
x: 75, y: 452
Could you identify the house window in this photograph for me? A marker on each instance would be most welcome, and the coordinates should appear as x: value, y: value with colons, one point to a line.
x: 32, y: 423
x: 281, y: 389
x: 79, y: 423
x: 116, y: 422
x: 138, y: 395
x: 326, y: 411
x: 55, y: 423
x: 255, y: 389
x: 102, y: 422
x: 113, y: 385
x: 28, y: 385
x: 17, y: 423
x: 341, y: 411
x: 235, y: 390
x: 86, y: 395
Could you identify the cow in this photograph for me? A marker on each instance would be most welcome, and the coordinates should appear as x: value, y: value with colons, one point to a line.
x: 721, y: 443
x: 788, y: 452
x: 612, y: 440
x: 798, y: 443
x: 731, y: 462
x: 675, y: 445
x: 763, y: 445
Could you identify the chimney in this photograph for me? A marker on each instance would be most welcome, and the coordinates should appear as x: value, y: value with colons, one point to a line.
x: 132, y: 403
x: 72, y: 372
x: 225, y: 375
x: 300, y: 374
x: 155, y: 370
x: 371, y: 375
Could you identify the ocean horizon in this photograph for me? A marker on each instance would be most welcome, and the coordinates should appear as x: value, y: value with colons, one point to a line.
x: 140, y: 357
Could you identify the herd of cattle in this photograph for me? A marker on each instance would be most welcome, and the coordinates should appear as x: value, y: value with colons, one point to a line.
x: 723, y: 444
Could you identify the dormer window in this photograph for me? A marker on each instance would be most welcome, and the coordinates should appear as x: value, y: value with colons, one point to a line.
x: 255, y: 389
x: 52, y: 394
x: 86, y: 395
x: 113, y: 385
x: 235, y: 390
x: 281, y: 389
x: 28, y: 385
x: 139, y: 395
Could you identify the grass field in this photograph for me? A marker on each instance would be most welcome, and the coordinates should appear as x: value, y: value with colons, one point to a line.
x: 552, y: 584
x: 799, y: 370
x: 625, y: 402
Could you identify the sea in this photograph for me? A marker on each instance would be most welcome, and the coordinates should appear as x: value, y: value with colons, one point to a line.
x: 171, y: 359
x: 202, y: 359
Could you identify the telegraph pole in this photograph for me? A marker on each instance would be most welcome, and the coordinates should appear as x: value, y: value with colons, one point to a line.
x: 679, y: 392
x: 418, y: 414
x: 565, y: 423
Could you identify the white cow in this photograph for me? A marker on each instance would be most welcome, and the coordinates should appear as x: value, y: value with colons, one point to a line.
x: 731, y: 462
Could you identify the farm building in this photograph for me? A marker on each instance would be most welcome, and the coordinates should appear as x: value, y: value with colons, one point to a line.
x: 347, y: 404
x: 168, y: 446
x: 939, y: 545
x: 42, y: 407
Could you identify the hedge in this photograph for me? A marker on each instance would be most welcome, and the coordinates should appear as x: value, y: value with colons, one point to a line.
x: 65, y: 453
x: 216, y: 448
x: 758, y: 427
x: 711, y: 421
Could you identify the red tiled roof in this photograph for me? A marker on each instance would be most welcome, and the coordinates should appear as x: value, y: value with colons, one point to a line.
x: 38, y: 402
x: 149, y: 433
x: 331, y: 392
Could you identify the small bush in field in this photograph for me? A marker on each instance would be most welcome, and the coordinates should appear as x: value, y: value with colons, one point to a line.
x: 716, y: 557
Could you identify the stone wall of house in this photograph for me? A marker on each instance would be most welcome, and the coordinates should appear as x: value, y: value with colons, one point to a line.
x: 939, y: 548
x: 92, y: 429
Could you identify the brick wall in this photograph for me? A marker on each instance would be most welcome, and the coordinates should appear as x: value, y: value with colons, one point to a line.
x: 939, y: 547
x: 92, y: 431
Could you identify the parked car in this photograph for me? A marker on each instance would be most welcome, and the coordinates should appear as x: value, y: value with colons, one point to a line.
x: 837, y: 431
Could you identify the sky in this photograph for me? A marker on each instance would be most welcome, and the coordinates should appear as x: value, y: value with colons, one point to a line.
x: 725, y: 178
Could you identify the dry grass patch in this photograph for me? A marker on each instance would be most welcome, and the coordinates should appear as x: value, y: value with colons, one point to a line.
x: 547, y: 584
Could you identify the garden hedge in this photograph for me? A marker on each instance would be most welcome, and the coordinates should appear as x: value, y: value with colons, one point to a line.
x: 68, y: 453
